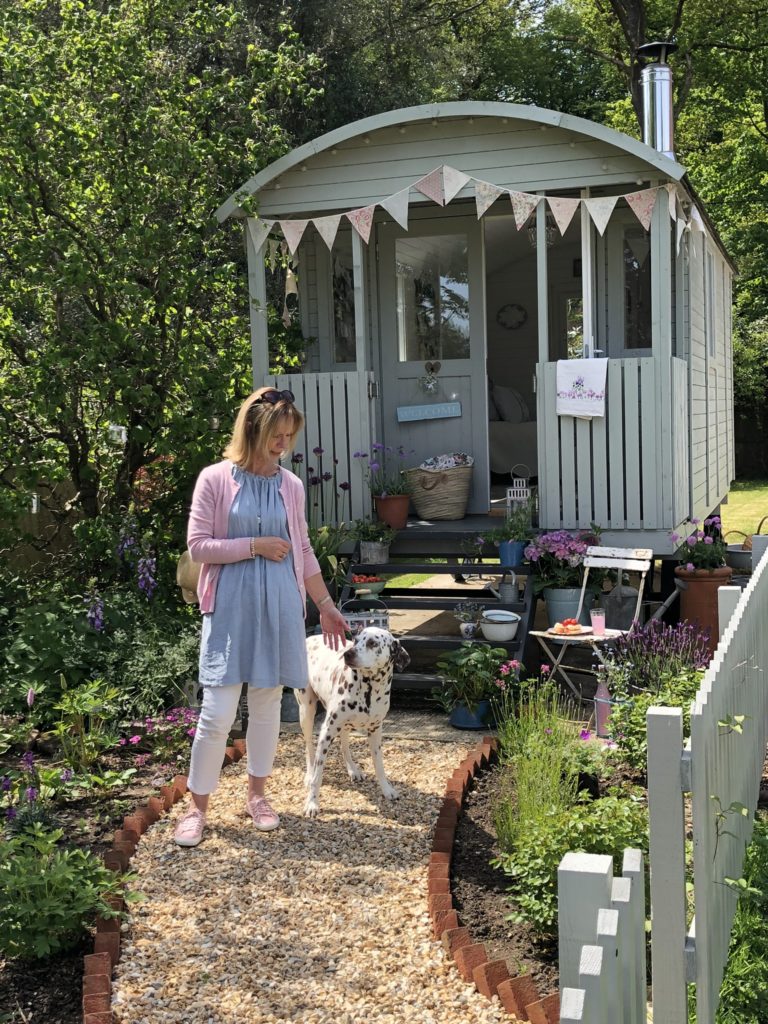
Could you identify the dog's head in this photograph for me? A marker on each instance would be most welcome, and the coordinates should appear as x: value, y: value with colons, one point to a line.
x: 375, y: 649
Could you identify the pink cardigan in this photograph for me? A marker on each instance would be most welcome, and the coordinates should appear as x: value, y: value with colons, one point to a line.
x: 207, y: 540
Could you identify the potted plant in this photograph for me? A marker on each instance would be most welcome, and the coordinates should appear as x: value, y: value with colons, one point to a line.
x: 701, y: 571
x: 467, y: 614
x: 375, y: 537
x: 514, y: 534
x: 389, y: 488
x: 469, y: 681
x: 556, y: 561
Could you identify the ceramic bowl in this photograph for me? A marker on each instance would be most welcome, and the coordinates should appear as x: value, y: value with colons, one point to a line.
x: 737, y: 558
x: 499, y: 625
x: 370, y: 588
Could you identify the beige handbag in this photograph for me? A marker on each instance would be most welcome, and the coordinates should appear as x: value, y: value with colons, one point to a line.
x: 187, y: 576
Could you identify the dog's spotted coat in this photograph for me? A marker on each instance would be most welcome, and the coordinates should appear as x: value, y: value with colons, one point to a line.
x: 354, y: 686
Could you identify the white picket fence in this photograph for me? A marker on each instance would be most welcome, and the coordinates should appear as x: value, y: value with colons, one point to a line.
x: 602, y: 953
x: 601, y: 923
x: 720, y: 766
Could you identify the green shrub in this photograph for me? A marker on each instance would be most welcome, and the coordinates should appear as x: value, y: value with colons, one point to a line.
x: 48, y: 893
x: 608, y: 826
x: 627, y: 722
x: 151, y: 662
x: 743, y: 993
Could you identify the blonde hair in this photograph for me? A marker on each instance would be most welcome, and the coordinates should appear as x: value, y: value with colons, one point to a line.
x: 255, y: 424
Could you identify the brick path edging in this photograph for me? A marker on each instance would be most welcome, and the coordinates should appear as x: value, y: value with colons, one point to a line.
x: 99, y: 965
x: 518, y: 995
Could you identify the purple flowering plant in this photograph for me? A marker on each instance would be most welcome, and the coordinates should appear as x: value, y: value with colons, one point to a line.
x: 384, y: 469
x: 704, y: 547
x: 647, y: 657
x: 327, y: 497
x: 557, y: 558
x: 166, y: 737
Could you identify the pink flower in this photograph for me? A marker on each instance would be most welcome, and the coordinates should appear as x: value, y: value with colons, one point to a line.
x: 545, y: 670
x: 585, y: 734
x: 690, y: 567
x: 692, y: 539
x: 709, y: 540
x: 122, y: 741
x: 515, y: 665
x: 191, y: 732
x: 504, y: 669
x: 134, y: 740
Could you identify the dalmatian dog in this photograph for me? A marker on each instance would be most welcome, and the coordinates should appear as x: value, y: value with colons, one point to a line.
x: 353, y: 685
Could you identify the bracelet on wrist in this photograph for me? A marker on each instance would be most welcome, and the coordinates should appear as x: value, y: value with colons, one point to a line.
x: 324, y: 600
x: 253, y: 542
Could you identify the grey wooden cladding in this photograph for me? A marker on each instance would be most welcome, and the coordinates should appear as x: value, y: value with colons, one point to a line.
x: 335, y: 406
x: 605, y: 471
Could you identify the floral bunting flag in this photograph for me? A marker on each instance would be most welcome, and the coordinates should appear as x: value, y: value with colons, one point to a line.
x: 523, y: 205
x: 672, y: 190
x: 327, y: 227
x: 681, y: 226
x: 697, y: 221
x: 292, y: 232
x: 486, y: 195
x: 642, y: 204
x: 431, y: 185
x: 258, y: 230
x: 600, y: 211
x: 563, y: 211
x: 453, y: 182
x: 362, y: 221
x: 397, y: 206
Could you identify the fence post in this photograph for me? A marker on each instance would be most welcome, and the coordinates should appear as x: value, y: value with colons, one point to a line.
x: 592, y: 979
x: 759, y: 547
x: 667, y: 858
x: 633, y: 867
x: 572, y: 1009
x: 727, y: 599
x: 608, y: 940
x: 583, y: 886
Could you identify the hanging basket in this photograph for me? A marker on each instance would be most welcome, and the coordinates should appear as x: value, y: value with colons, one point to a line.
x: 440, y: 493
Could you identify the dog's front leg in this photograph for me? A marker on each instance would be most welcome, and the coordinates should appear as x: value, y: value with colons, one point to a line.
x: 354, y: 770
x: 328, y: 733
x: 307, y: 708
x: 374, y: 742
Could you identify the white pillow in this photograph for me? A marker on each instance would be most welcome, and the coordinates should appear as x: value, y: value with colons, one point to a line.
x: 511, y: 404
x: 493, y: 412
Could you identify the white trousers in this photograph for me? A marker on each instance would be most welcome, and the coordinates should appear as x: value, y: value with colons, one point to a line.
x: 216, y: 717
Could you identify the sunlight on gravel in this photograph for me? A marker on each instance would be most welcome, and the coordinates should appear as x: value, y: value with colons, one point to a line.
x: 320, y: 921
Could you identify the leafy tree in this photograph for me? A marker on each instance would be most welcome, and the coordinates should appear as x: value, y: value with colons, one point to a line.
x: 121, y: 301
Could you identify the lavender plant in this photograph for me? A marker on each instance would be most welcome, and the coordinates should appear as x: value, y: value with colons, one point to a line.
x: 647, y: 657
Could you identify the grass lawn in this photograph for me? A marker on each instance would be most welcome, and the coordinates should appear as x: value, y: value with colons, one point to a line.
x: 747, y: 504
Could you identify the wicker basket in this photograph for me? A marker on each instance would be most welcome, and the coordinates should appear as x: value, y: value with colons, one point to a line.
x: 440, y: 493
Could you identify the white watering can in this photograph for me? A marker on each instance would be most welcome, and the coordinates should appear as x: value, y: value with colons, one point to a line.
x: 507, y: 592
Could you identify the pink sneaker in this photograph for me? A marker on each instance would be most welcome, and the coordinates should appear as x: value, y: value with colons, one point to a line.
x: 264, y: 818
x: 189, y: 830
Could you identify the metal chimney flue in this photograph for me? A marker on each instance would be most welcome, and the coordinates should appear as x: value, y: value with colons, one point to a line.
x: 658, y: 115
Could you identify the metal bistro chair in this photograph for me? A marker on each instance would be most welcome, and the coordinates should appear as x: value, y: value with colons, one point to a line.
x: 633, y: 559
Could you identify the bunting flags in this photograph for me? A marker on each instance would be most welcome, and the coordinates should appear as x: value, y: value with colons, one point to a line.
x: 486, y: 195
x: 453, y: 182
x: 563, y: 211
x: 523, y: 205
x: 362, y: 221
x: 397, y: 206
x: 444, y: 183
x: 327, y: 228
x: 642, y: 203
x: 258, y: 230
x: 431, y: 186
x: 292, y: 232
x: 680, y: 227
x: 600, y: 211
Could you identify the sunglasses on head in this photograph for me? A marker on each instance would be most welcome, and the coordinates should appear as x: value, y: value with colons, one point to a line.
x: 273, y: 397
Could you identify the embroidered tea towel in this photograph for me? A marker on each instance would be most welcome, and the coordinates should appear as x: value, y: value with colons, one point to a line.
x: 581, y: 387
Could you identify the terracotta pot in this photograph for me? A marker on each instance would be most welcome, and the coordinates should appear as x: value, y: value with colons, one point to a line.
x: 393, y: 510
x: 698, y: 602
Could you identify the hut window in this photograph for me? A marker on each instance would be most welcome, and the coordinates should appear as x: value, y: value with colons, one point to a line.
x: 637, y: 288
x: 432, y: 276
x: 343, y: 299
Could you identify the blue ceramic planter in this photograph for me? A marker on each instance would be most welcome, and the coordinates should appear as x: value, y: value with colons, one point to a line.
x: 511, y: 552
x: 462, y: 718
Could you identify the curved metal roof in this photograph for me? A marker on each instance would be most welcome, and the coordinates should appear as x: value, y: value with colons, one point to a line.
x: 409, y: 115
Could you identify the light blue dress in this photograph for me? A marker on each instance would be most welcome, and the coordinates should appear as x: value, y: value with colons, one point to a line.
x: 255, y: 633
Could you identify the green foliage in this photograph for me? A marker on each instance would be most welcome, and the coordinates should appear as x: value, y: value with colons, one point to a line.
x: 326, y: 542
x: 517, y: 524
x: 48, y: 893
x: 469, y: 674
x: 627, y: 722
x: 84, y: 730
x: 607, y: 826
x: 372, y: 529
x: 745, y: 983
x: 124, y: 127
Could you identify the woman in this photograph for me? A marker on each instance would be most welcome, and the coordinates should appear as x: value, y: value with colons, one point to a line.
x: 248, y: 529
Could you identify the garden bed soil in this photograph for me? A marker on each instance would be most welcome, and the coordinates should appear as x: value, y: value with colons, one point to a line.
x: 480, y: 891
x: 49, y: 991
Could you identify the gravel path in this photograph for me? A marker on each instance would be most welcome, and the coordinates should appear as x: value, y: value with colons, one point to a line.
x: 319, y: 922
